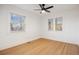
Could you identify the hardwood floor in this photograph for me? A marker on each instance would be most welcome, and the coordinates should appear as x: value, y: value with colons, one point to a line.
x: 43, y: 47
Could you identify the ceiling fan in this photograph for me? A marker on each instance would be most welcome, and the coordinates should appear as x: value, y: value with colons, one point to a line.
x: 44, y: 9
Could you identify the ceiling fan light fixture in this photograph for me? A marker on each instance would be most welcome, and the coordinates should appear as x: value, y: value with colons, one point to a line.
x: 43, y: 11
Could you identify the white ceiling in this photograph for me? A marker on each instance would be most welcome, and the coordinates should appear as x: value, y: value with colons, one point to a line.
x: 57, y: 7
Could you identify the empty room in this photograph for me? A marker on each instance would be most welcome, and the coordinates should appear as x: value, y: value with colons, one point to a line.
x: 39, y: 29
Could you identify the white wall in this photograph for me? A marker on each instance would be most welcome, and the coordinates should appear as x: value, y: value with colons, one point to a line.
x: 70, y: 31
x: 8, y: 38
x: 37, y: 26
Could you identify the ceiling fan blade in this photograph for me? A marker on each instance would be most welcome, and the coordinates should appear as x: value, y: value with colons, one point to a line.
x: 47, y: 10
x: 49, y: 7
x: 41, y: 6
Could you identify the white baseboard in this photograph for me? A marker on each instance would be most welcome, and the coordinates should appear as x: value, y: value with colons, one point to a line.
x: 19, y: 43
x: 35, y: 38
x: 76, y: 43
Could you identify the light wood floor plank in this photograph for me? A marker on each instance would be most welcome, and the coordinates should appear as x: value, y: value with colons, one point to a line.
x: 43, y: 47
